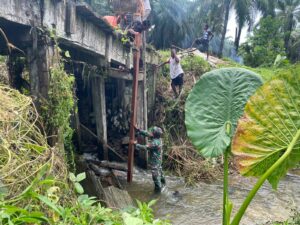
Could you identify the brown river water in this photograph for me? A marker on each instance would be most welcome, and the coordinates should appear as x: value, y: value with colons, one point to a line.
x: 202, y: 204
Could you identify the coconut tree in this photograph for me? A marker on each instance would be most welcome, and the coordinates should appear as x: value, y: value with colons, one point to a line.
x: 226, y: 5
x: 266, y: 7
x: 244, y: 10
x: 289, y: 12
x: 171, y: 22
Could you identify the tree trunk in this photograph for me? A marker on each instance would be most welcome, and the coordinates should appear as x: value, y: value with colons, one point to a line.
x: 287, y: 35
x: 238, y: 38
x: 227, y: 8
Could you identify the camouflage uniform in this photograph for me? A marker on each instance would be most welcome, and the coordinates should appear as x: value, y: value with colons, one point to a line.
x: 154, y: 147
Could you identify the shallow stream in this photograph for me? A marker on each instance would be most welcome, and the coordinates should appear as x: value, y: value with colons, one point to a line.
x: 203, y: 204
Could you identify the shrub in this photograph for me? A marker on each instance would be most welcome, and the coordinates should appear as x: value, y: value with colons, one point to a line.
x: 195, y: 65
x: 266, y: 43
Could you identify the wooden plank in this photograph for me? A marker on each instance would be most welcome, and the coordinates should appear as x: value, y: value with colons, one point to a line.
x: 108, y: 49
x: 117, y: 198
x: 95, y: 136
x: 123, y: 74
x: 70, y: 24
x: 96, y: 184
x: 144, y: 154
x: 103, y: 116
x: 99, y: 104
x: 109, y: 165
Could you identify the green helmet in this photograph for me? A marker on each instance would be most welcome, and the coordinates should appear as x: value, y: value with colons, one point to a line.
x: 156, y: 131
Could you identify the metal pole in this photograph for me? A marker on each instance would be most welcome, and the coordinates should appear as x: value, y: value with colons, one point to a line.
x: 136, y: 61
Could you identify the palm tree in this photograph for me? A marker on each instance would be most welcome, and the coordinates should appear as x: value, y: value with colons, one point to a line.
x: 226, y: 5
x: 244, y: 10
x: 171, y: 22
x: 266, y: 7
x: 295, y: 45
x: 288, y: 11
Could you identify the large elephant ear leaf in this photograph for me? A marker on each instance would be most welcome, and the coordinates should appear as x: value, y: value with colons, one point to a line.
x: 271, y: 124
x: 218, y: 99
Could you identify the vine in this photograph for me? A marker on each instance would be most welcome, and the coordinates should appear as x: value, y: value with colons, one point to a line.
x: 57, y: 108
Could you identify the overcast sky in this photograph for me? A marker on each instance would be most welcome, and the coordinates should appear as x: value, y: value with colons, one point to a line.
x: 232, y: 26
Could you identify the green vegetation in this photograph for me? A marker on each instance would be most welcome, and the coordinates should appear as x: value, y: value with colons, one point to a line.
x: 181, y: 157
x: 195, y: 65
x: 35, y: 186
x: 294, y: 220
x: 262, y: 48
x: 212, y: 110
x: 267, y: 138
x: 271, y: 157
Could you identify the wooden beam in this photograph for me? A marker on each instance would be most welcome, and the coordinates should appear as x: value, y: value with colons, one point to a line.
x: 136, y: 66
x: 99, y: 104
x: 39, y: 57
x: 109, y: 147
x: 70, y: 24
x: 123, y: 74
x: 108, y: 49
x: 144, y: 154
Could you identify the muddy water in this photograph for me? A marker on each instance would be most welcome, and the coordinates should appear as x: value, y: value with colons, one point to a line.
x: 203, y: 204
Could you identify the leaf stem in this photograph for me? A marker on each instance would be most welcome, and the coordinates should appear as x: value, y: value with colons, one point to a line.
x: 262, y: 179
x: 225, y: 186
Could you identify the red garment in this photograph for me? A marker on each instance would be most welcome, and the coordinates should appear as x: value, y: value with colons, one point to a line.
x: 112, y: 20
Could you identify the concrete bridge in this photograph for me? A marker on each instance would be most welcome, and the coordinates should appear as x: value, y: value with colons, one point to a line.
x: 96, y: 53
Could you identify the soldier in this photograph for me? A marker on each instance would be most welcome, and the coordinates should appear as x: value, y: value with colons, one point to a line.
x: 154, y: 147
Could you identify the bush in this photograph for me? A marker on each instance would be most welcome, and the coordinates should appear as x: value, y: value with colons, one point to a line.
x: 191, y: 64
x: 195, y: 65
x: 266, y: 43
x: 35, y: 187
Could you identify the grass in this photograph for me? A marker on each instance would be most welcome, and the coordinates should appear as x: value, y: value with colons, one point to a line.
x: 181, y: 158
x: 35, y: 187
x: 266, y: 72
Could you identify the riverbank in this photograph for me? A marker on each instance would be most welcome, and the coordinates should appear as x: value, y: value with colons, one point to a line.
x: 36, y: 184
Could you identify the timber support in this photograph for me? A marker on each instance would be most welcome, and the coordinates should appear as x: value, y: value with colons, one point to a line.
x: 40, y: 58
x: 99, y: 60
x: 99, y: 105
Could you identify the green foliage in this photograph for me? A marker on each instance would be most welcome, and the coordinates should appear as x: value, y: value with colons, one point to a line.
x: 262, y: 48
x: 195, y: 65
x: 143, y: 215
x: 294, y: 220
x: 170, y: 19
x: 60, y: 100
x: 272, y: 113
x: 47, y: 206
x: 217, y: 101
x: 267, y: 145
x: 3, y: 59
x: 56, y: 109
x: 191, y: 64
x: 212, y: 111
x: 76, y: 180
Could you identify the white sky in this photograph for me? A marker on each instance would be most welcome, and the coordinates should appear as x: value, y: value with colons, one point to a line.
x: 232, y: 26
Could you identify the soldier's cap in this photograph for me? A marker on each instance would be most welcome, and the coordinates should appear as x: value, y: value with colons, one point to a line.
x: 156, y: 131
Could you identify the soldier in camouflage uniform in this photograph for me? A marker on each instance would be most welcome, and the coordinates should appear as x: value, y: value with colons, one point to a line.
x: 154, y: 147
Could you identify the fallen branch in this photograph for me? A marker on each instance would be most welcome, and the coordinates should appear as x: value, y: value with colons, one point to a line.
x: 9, y: 45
